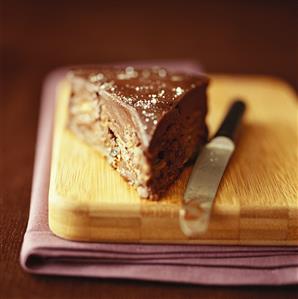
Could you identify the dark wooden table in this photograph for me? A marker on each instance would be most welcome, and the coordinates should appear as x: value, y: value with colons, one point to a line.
x: 37, y: 36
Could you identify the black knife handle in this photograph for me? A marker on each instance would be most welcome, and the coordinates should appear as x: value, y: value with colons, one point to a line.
x: 232, y: 120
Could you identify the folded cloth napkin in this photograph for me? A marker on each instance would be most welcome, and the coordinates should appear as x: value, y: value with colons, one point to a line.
x: 44, y: 253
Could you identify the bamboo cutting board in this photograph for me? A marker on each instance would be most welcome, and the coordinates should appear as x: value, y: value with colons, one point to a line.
x: 257, y: 201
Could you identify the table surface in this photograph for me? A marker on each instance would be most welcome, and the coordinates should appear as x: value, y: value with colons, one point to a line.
x: 35, y: 37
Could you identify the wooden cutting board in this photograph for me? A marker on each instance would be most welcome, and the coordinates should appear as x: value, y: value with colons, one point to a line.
x: 257, y: 202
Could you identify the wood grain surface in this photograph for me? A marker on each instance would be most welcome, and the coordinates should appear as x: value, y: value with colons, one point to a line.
x: 254, y: 37
x: 256, y: 202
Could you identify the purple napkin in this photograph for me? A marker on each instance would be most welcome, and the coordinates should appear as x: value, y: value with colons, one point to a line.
x: 44, y: 253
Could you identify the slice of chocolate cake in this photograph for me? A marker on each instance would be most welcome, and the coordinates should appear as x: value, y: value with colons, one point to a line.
x: 148, y: 122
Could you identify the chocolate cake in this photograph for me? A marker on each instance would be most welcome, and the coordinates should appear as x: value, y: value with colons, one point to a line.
x: 147, y: 122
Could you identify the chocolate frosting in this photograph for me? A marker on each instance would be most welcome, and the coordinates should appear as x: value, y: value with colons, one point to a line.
x: 148, y: 93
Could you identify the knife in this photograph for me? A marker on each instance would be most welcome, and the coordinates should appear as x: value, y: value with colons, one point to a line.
x: 207, y: 172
